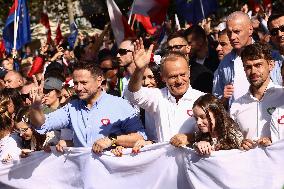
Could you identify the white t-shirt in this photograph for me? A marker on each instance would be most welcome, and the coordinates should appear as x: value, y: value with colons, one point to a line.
x: 170, y: 117
x: 9, y: 148
x: 253, y: 116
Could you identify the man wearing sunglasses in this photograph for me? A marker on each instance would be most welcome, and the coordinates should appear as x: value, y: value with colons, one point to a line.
x: 276, y: 29
x: 201, y: 78
x: 125, y: 60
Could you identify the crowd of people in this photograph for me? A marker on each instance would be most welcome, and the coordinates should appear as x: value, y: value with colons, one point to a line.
x: 209, y: 91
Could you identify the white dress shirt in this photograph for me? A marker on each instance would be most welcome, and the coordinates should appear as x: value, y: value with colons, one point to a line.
x: 253, y: 115
x: 170, y: 117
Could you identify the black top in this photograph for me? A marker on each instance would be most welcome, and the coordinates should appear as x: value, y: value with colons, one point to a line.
x: 201, y: 78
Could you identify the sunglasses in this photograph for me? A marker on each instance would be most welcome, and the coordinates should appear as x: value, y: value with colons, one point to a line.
x: 123, y: 51
x: 175, y: 47
x: 105, y: 70
x: 274, y: 31
x: 47, y: 91
x: 25, y: 96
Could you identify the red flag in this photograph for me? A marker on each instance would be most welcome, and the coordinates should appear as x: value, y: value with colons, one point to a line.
x: 2, y: 48
x: 44, y: 20
x: 58, y: 37
x: 145, y: 21
x: 37, y: 66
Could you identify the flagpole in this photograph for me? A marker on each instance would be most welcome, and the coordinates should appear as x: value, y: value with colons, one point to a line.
x: 131, y: 10
x: 15, y: 26
x: 202, y: 10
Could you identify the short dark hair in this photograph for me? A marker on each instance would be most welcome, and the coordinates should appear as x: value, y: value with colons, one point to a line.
x: 197, y: 31
x: 274, y: 16
x: 176, y: 35
x: 256, y: 51
x: 90, y: 66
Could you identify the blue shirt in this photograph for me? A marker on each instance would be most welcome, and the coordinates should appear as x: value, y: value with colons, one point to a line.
x: 109, y: 114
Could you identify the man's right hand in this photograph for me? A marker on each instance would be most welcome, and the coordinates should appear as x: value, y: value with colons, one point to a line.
x: 140, y: 55
x: 228, y: 91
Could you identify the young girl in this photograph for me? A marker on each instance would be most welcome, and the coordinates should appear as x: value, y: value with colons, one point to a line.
x: 216, y: 129
x: 8, y: 146
x: 31, y: 140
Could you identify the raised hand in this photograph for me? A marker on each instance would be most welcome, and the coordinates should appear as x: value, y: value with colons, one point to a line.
x: 140, y: 55
x: 37, y: 92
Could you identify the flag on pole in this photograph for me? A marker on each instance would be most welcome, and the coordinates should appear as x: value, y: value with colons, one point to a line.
x: 196, y: 10
x: 146, y: 22
x: 156, y: 10
x: 59, y: 36
x: 73, y: 35
x: 19, y: 12
x: 44, y: 20
x: 119, y: 25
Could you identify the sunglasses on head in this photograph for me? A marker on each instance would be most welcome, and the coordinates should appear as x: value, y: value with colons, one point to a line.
x: 175, y: 47
x: 123, y: 51
x: 274, y: 31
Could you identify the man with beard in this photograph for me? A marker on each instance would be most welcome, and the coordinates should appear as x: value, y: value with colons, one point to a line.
x: 253, y: 110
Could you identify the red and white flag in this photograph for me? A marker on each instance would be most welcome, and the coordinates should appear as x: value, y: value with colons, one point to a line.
x: 155, y: 9
x: 119, y: 25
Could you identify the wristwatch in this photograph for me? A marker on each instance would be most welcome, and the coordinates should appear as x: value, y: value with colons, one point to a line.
x: 113, y: 138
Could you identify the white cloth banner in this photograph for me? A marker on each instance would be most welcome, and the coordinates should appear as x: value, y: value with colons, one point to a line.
x: 157, y: 166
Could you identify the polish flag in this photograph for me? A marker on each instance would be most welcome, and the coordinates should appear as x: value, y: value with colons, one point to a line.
x: 119, y: 25
x: 155, y: 9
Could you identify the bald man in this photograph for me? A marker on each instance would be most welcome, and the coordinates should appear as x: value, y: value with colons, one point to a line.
x: 13, y: 79
x: 230, y: 81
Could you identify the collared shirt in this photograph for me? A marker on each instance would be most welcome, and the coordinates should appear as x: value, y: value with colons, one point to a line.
x: 277, y: 124
x: 170, y: 117
x: 109, y: 114
x: 231, y: 71
x: 253, y: 115
x: 275, y: 74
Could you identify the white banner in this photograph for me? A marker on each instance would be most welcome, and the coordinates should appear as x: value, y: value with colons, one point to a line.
x: 157, y: 166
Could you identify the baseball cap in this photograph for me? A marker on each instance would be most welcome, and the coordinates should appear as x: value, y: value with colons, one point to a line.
x: 52, y: 83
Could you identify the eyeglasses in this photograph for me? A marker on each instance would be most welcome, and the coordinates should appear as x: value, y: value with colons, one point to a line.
x: 274, y: 31
x: 123, y: 51
x: 21, y: 130
x: 175, y: 47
